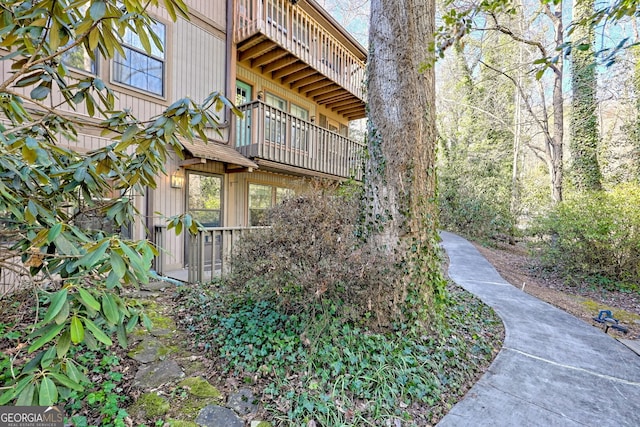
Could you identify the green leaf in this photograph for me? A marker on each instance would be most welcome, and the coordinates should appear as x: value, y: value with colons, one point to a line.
x: 48, y: 392
x: 129, y: 133
x: 57, y: 302
x: 118, y: 265
x: 48, y: 357
x: 12, y: 393
x: 122, y: 336
x: 54, y: 232
x: 112, y: 280
x: 26, y: 397
x: 74, y: 373
x: 66, y: 381
x: 30, y: 156
x: 63, y: 345
x: 147, y: 322
x: 94, y: 255
x: 88, y: 299
x: 54, y: 35
x: 65, y: 246
x: 40, y: 92
x: 63, y: 314
x: 97, y: 10
x: 97, y: 332
x: 110, y: 309
x: 77, y: 330
x: 50, y: 334
x: 133, y: 321
x: 33, y: 364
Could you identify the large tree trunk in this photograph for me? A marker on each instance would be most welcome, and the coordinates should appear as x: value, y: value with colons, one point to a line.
x: 400, y: 184
x: 585, y: 170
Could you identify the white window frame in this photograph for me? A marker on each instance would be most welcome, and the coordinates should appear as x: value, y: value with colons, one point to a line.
x: 131, y: 44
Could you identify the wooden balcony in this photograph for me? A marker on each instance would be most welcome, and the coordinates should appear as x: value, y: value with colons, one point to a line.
x: 280, y: 141
x: 302, y: 47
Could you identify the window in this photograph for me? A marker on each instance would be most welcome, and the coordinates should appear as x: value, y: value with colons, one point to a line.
x: 276, y: 16
x: 139, y: 69
x: 78, y: 58
x: 299, y: 128
x: 243, y: 92
x: 275, y: 119
x: 261, y: 198
x: 300, y: 32
x: 243, y: 129
x: 205, y: 199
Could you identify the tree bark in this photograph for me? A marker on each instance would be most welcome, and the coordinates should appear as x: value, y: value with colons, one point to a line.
x: 585, y: 170
x: 400, y: 183
x: 556, y: 154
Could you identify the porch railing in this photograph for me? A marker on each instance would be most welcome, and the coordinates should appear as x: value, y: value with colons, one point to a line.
x: 268, y: 133
x: 296, y: 31
x: 209, y: 252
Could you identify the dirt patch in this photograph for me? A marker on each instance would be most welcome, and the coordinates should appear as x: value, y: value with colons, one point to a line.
x: 583, y: 301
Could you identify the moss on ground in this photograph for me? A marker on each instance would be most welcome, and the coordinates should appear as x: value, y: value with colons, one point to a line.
x: 622, y: 315
x: 150, y: 405
x: 199, y: 387
x: 181, y: 423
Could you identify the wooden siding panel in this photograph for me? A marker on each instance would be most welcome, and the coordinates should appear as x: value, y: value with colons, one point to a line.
x: 262, y: 83
x: 215, y: 10
x: 198, y: 61
x: 239, y: 189
x: 198, y: 64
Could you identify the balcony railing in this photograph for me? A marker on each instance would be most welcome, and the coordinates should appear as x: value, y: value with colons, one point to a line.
x: 268, y: 133
x: 296, y: 31
x: 209, y: 251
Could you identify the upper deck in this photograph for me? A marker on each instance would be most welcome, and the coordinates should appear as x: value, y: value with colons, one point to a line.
x: 303, y: 48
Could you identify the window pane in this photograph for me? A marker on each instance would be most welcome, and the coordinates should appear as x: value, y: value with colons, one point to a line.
x: 283, y: 194
x: 138, y: 69
x: 78, y: 57
x: 260, y: 197
x: 205, y: 199
x: 159, y: 29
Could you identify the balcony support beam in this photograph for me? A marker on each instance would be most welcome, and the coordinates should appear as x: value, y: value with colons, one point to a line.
x: 288, y: 70
x: 314, y: 86
x: 268, y: 57
x: 307, y: 81
x: 335, y: 106
x: 280, y: 63
x: 299, y: 75
x: 338, y: 94
x: 327, y: 89
x: 349, y: 111
x: 255, y: 51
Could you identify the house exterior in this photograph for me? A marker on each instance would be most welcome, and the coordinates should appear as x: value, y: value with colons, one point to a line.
x: 293, y: 71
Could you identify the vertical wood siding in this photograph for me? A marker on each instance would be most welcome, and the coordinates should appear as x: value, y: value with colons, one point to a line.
x: 215, y: 10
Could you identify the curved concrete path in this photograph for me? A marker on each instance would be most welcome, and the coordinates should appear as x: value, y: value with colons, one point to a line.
x: 553, y: 369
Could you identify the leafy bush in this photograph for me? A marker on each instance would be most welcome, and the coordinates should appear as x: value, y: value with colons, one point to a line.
x: 53, y: 196
x: 309, y: 253
x: 596, y: 235
x: 474, y: 214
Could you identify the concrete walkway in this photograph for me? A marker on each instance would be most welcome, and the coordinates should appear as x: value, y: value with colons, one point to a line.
x: 553, y: 370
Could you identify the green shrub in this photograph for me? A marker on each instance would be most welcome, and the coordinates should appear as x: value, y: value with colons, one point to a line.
x: 594, y: 235
x: 475, y: 214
